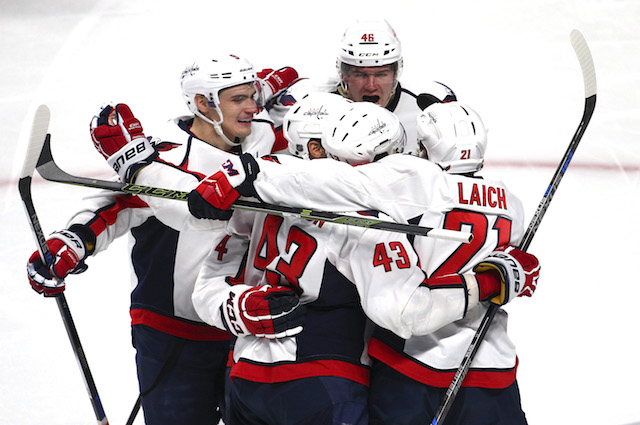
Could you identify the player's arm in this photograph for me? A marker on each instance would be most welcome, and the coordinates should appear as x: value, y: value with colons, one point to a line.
x: 118, y: 135
x: 392, y: 287
x: 397, y: 295
x: 286, y: 180
x: 388, y: 185
x: 175, y: 214
x: 221, y: 298
x: 324, y: 184
x: 222, y: 267
x: 103, y: 219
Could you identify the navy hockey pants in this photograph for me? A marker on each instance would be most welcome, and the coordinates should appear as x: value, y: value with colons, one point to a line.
x: 398, y: 400
x: 181, y: 381
x: 309, y: 401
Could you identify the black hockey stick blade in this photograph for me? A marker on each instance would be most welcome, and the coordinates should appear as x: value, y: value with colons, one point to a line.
x: 37, y: 139
x: 589, y: 78
x: 49, y: 170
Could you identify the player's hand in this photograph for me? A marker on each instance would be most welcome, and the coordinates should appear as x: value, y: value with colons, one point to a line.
x: 272, y: 83
x: 68, y: 251
x: 518, y: 272
x: 220, y: 190
x: 264, y: 311
x: 119, y: 137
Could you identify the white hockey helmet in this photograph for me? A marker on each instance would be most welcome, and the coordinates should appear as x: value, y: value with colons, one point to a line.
x: 365, y: 133
x: 211, y: 75
x: 369, y: 43
x: 307, y: 118
x: 453, y: 136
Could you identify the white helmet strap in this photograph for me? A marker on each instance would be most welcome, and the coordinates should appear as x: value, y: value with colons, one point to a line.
x: 217, y: 125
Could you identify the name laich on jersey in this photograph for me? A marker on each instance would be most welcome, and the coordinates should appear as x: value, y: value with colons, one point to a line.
x: 482, y: 195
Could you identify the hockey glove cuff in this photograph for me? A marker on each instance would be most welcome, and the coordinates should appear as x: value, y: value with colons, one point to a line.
x: 518, y: 272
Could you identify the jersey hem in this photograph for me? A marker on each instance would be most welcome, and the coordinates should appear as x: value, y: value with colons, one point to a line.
x: 411, y: 368
x: 177, y: 327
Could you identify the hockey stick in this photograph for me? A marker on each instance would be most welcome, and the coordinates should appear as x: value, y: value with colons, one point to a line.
x: 36, y: 139
x: 589, y: 76
x: 49, y: 170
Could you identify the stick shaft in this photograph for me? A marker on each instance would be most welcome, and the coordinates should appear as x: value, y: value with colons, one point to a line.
x: 49, y: 170
x: 588, y: 73
x: 37, y: 139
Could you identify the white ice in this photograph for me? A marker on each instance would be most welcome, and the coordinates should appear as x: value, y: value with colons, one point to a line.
x: 577, y: 338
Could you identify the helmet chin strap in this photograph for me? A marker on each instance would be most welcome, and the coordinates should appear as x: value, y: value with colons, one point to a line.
x: 217, y: 126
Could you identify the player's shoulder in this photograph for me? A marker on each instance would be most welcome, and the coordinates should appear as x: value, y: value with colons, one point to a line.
x: 171, y: 139
x: 260, y: 141
x: 427, y: 93
x: 261, y: 119
x: 410, y: 163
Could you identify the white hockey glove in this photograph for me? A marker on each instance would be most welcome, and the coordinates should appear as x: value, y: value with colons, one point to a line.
x: 518, y: 272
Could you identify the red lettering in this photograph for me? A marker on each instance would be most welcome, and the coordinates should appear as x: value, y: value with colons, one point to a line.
x: 492, y: 191
x: 460, y: 198
x: 502, y: 199
x: 475, y: 195
x: 483, y: 197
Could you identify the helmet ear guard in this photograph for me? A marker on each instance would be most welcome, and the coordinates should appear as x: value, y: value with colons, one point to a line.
x: 453, y: 136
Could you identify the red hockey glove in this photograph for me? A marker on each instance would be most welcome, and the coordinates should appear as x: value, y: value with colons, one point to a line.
x: 221, y: 189
x: 118, y: 136
x: 68, y: 251
x: 272, y: 83
x: 263, y: 311
x: 518, y: 272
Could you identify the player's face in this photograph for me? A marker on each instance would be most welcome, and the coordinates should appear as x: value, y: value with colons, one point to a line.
x: 373, y: 84
x: 238, y: 108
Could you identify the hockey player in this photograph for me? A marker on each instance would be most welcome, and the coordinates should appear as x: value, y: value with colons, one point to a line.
x: 180, y: 359
x: 411, y: 375
x: 369, y: 65
x: 310, y: 365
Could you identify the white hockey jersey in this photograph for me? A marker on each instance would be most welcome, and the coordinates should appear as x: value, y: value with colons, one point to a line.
x: 341, y: 272
x: 167, y: 244
x: 404, y: 103
x: 410, y: 189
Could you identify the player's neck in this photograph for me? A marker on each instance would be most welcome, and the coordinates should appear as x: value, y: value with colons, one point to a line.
x: 207, y: 133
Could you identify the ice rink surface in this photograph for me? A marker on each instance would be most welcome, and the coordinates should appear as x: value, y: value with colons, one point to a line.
x: 577, y: 338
